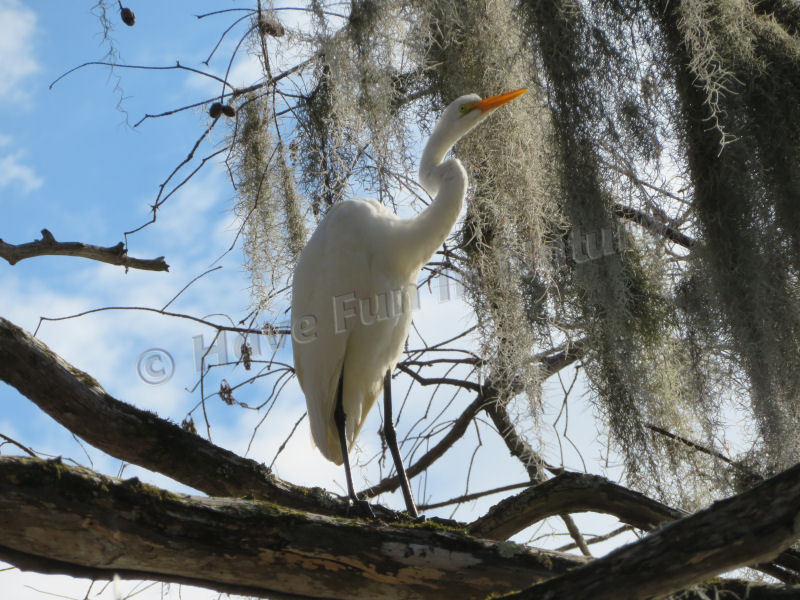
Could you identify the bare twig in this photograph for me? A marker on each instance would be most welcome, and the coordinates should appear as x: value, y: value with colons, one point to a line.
x: 217, y: 326
x: 455, y: 433
x: 175, y: 297
x: 286, y: 441
x: 25, y: 449
x: 177, y: 65
x: 470, y: 385
x: 475, y: 495
x: 700, y: 448
x: 597, y: 538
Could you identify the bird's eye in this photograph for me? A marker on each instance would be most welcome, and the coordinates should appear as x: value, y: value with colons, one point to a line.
x: 466, y: 107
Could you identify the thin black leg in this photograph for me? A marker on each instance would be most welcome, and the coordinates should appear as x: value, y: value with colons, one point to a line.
x: 340, y: 419
x: 391, y: 441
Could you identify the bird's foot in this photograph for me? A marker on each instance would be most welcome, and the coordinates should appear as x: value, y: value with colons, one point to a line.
x: 420, y: 519
x: 360, y: 508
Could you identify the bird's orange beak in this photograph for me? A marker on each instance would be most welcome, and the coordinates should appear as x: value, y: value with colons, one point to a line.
x: 497, y: 101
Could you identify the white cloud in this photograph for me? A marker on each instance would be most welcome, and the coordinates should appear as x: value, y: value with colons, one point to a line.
x: 13, y: 169
x: 12, y: 166
x: 17, y: 27
x: 246, y: 71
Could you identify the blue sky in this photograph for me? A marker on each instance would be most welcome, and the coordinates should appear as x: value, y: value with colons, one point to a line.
x: 71, y: 162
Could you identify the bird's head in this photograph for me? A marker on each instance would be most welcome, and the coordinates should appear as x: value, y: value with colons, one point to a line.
x: 462, y: 115
x: 466, y: 112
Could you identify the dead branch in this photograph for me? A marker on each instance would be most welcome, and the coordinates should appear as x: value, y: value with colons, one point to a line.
x: 48, y: 246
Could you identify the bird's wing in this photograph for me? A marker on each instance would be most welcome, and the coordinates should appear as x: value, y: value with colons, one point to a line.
x: 342, y: 266
x: 330, y: 269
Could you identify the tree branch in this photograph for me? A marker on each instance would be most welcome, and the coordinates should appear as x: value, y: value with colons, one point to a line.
x: 653, y: 226
x: 581, y: 492
x: 750, y: 528
x: 454, y: 434
x: 470, y: 385
x: 48, y: 246
x: 79, y: 403
x: 551, y: 362
x: 742, y: 468
x: 554, y: 360
x: 75, y: 521
x: 531, y: 460
x: 570, y: 493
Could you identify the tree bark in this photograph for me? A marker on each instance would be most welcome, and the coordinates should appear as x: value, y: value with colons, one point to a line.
x: 61, y: 519
x: 750, y: 528
x: 71, y: 520
x: 571, y: 493
x: 79, y: 403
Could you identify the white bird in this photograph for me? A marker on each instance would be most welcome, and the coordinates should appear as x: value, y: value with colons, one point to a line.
x: 350, y: 295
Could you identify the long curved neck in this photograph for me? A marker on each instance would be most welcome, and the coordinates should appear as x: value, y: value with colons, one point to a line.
x: 438, y: 146
x: 448, y: 181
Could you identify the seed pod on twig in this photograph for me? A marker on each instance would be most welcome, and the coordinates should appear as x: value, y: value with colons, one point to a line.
x: 127, y: 16
x: 215, y: 111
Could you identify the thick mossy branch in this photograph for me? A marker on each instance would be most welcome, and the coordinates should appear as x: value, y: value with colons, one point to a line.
x: 91, y: 525
x: 750, y: 528
x: 58, y: 518
x: 570, y: 493
x: 77, y: 401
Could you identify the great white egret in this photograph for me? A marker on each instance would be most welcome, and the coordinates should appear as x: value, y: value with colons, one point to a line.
x: 350, y: 305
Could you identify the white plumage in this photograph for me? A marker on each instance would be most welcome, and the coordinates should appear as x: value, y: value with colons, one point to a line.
x: 350, y: 297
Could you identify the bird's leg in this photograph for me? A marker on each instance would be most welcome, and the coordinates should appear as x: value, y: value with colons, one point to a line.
x: 340, y: 419
x: 391, y: 440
